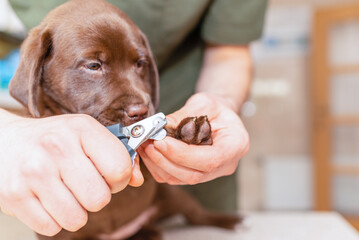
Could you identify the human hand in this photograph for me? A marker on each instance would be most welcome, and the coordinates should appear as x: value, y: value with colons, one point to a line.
x: 175, y: 162
x: 54, y: 169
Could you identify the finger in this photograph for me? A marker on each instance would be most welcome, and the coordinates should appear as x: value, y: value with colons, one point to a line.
x: 137, y: 177
x: 190, y: 156
x: 70, y: 216
x: 159, y: 174
x: 217, y: 160
x: 162, y: 175
x: 31, y: 213
x: 108, y: 154
x: 155, y: 174
x: 85, y: 182
x: 179, y: 173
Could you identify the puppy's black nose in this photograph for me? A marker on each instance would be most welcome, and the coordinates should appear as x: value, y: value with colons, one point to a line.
x: 137, y: 112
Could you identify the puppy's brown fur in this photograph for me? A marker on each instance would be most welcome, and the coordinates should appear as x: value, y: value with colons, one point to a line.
x: 89, y: 57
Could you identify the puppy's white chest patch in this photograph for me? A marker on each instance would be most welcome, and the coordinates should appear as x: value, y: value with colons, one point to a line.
x: 132, y: 227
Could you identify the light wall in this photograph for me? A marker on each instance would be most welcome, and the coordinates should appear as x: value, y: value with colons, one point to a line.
x: 278, y: 114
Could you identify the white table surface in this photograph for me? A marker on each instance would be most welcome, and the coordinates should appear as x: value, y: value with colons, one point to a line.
x: 257, y: 226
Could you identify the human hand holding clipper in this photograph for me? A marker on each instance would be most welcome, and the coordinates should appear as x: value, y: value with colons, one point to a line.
x: 70, y: 161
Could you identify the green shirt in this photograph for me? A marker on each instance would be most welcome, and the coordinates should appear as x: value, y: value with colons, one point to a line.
x: 176, y: 30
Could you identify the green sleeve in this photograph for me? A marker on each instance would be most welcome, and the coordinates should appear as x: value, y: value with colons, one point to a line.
x: 32, y: 12
x: 234, y: 21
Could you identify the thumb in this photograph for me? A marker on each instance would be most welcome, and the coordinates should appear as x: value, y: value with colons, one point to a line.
x: 197, y: 105
x: 137, y: 177
x: 174, y: 119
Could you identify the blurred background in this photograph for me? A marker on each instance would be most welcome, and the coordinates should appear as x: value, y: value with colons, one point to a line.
x: 303, y: 110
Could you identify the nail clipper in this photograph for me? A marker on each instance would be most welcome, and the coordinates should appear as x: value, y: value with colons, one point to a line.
x: 134, y: 135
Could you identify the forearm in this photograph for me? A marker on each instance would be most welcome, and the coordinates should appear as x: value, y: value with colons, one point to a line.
x: 226, y: 72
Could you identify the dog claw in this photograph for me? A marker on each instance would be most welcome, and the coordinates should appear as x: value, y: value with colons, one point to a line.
x: 192, y: 130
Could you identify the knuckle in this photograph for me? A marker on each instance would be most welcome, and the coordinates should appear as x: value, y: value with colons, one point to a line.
x: 195, y: 178
x: 34, y: 168
x: 77, y: 222
x: 119, y: 174
x: 159, y: 179
x: 48, y: 228
x: 53, y: 143
x: 242, y: 148
x: 245, y: 150
x: 242, y: 142
x: 80, y: 121
x: 211, y: 166
x: 104, y: 200
x: 172, y: 180
x: 246, y: 146
x: 231, y: 169
x: 13, y: 191
x: 99, y: 201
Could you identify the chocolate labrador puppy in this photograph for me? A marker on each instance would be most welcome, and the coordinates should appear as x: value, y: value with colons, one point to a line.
x: 89, y: 57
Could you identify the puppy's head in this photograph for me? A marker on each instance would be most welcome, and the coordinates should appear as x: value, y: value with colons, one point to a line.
x: 87, y: 57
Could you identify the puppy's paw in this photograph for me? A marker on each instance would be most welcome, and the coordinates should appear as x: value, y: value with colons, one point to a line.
x: 193, y: 130
x: 222, y: 220
x: 226, y: 221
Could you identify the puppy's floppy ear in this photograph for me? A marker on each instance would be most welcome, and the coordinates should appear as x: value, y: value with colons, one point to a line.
x: 25, y: 84
x: 154, y: 79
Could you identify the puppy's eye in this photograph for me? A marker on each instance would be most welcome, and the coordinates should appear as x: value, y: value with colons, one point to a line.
x: 93, y: 66
x: 140, y: 63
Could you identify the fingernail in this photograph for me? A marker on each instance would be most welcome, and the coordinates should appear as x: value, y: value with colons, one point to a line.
x: 160, y: 145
